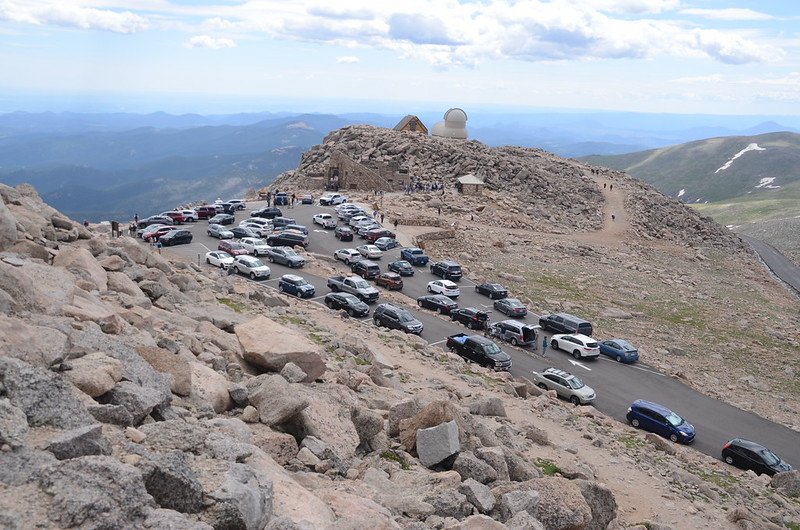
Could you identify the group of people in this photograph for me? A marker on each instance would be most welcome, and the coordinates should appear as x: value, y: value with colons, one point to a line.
x: 424, y: 187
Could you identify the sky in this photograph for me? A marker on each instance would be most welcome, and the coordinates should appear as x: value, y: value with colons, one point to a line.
x: 664, y: 56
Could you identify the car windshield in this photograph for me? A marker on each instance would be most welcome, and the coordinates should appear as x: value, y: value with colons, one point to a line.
x: 361, y: 284
x: 674, y: 419
x: 236, y: 246
x: 351, y: 298
x: 223, y: 255
x: 496, y: 286
x: 575, y: 383
x: 289, y: 252
x: 256, y: 263
x: 514, y: 303
x: 768, y: 457
x: 258, y: 242
x: 626, y: 345
x: 492, y: 348
x: 416, y: 251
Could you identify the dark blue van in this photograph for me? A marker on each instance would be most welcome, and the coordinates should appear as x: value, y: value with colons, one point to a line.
x: 281, y: 199
x: 660, y: 420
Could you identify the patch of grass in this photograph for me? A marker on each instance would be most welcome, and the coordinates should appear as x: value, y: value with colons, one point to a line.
x: 792, y: 526
x: 394, y: 457
x: 724, y: 481
x: 319, y: 339
x: 237, y: 307
x: 631, y: 442
x: 488, y: 379
x: 361, y: 362
x: 548, y: 467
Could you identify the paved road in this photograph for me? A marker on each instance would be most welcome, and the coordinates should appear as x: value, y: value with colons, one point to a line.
x: 617, y: 385
x: 780, y: 265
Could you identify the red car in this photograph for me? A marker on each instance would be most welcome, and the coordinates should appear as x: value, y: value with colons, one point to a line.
x: 177, y: 217
x: 232, y: 248
x: 377, y: 233
x: 206, y: 212
x: 157, y: 233
x: 391, y: 280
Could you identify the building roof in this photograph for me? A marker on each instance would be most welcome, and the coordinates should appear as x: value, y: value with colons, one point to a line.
x: 469, y: 179
x: 408, y: 119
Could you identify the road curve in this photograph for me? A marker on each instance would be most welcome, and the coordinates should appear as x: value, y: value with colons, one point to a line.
x: 780, y: 265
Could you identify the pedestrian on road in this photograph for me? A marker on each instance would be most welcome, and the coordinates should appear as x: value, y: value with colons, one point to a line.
x: 604, y: 185
x: 544, y: 345
x: 440, y: 210
x: 613, y: 217
x: 610, y: 187
x: 395, y: 224
x: 382, y: 217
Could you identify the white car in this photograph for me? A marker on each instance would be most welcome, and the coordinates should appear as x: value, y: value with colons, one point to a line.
x: 348, y: 255
x: 219, y: 231
x: 370, y: 251
x: 325, y: 220
x: 255, y: 246
x: 238, y: 204
x: 250, y: 266
x: 445, y: 287
x: 219, y: 259
x: 332, y: 199
x: 358, y: 218
x: 189, y: 215
x: 577, y: 344
x: 262, y: 229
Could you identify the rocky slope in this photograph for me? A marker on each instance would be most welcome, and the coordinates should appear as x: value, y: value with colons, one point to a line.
x: 545, y: 192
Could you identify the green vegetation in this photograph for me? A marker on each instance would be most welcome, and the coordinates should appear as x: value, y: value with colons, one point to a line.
x: 394, y: 457
x: 631, y: 441
x: 792, y: 526
x: 548, y: 468
x: 238, y: 307
x: 723, y: 480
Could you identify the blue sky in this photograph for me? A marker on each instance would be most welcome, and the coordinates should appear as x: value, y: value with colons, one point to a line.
x: 674, y: 56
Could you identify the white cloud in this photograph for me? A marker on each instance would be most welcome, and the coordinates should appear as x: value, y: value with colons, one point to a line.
x: 348, y: 59
x: 731, y: 13
x: 67, y: 15
x: 212, y: 43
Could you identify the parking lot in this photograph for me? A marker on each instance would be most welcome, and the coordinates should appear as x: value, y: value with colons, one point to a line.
x: 616, y: 384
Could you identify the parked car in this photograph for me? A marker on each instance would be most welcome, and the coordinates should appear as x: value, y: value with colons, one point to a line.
x: 445, y: 287
x: 377, y: 233
x: 267, y: 213
x: 325, y: 220
x: 296, y: 285
x: 285, y: 256
x: 219, y: 231
x: 354, y: 285
x: 232, y: 247
x: 280, y: 221
x: 386, y: 243
x: 369, y: 270
x: 565, y: 323
x: 206, y: 212
x: 449, y: 270
x: 148, y: 228
x: 477, y: 349
x: 348, y: 255
x: 370, y: 251
x: 414, y: 255
x: 177, y: 217
x: 176, y: 237
x: 348, y: 302
x: 190, y: 216
x: 252, y: 267
x: 343, y: 233
x: 307, y: 199
x: 155, y: 219
x: 255, y: 246
x: 745, y: 454
x: 245, y: 231
x: 238, y: 204
x: 393, y: 317
x: 494, y: 291
x: 347, y: 214
x: 281, y: 199
x: 401, y: 267
x: 332, y: 199
x: 228, y: 208
x: 300, y: 229
x: 565, y: 384
x: 287, y: 239
x: 511, y: 307
x: 513, y: 331
x: 363, y: 228
x: 578, y: 345
x: 222, y: 219
x: 353, y: 222
x: 438, y: 302
x: 219, y: 258
x: 471, y: 317
x: 391, y: 280
x: 660, y: 420
x: 152, y: 234
x: 620, y: 350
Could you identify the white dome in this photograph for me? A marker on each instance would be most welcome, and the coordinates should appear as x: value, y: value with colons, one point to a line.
x: 454, y: 125
x: 455, y: 115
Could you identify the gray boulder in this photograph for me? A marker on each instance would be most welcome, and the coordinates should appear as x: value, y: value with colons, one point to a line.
x: 601, y: 502
x: 176, y: 435
x: 401, y: 410
x: 490, y: 406
x: 113, y: 414
x: 514, y: 502
x: 519, y: 469
x: 83, y: 441
x: 45, y: 398
x: 478, y: 495
x: 95, y: 492
x: 243, y: 501
x: 138, y: 400
x: 171, y: 482
x: 367, y: 423
x: 8, y: 227
x: 434, y: 444
x: 450, y: 503
x: 787, y: 483
x: 274, y: 398
x: 495, y: 457
x: 23, y: 465
x: 469, y: 466
x: 293, y: 373
x: 524, y: 521
x: 13, y: 424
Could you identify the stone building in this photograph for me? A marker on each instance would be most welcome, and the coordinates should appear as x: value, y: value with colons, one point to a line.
x: 411, y: 124
x: 470, y: 185
x: 344, y: 173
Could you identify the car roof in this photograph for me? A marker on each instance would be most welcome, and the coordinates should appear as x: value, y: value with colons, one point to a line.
x: 291, y: 277
x: 747, y: 444
x: 644, y: 404
x: 556, y: 371
x: 448, y: 263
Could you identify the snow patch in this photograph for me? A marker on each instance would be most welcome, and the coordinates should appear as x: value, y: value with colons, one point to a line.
x: 751, y: 147
x: 767, y: 183
x: 680, y: 193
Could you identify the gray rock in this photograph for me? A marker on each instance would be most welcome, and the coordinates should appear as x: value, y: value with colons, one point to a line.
x: 138, y: 400
x: 490, y: 406
x: 171, y: 482
x: 45, y: 398
x: 243, y: 501
x: 163, y: 519
x: 13, y: 424
x: 316, y: 446
x: 399, y: 411
x: 274, y: 398
x: 23, y: 465
x: 293, y: 373
x: 524, y: 521
x: 519, y: 469
x: 478, y: 495
x: 153, y: 290
x: 469, y: 466
x: 450, y: 503
x: 536, y: 435
x: 367, y: 423
x: 285, y: 523
x: 224, y: 447
x: 514, y: 502
x: 8, y: 227
x: 787, y: 483
x: 95, y: 492
x: 177, y: 435
x: 238, y: 394
x: 113, y: 414
x: 437, y: 443
x: 495, y: 457
x: 83, y: 441
x: 601, y: 501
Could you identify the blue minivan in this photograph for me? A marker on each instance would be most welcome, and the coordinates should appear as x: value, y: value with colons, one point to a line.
x: 660, y: 420
x: 621, y: 350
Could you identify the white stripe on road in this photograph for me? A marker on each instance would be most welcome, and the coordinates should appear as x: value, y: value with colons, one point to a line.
x: 634, y: 366
x: 205, y: 247
x: 437, y: 342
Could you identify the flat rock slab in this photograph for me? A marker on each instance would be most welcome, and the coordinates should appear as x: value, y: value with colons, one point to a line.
x: 437, y: 443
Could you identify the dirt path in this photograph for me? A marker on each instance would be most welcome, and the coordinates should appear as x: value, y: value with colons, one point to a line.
x: 615, y: 219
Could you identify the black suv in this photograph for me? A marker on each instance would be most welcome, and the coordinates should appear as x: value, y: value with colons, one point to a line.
x: 349, y: 302
x: 448, y: 270
x: 343, y: 233
x: 369, y: 270
x: 267, y: 213
x: 287, y: 239
x: 175, y: 237
x: 393, y: 317
x: 565, y: 323
x: 470, y: 317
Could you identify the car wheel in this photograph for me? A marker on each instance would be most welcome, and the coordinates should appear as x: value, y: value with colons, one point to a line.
x: 376, y: 322
x: 209, y: 234
x: 429, y: 289
x: 255, y: 253
x: 542, y: 386
x: 554, y: 344
x: 208, y: 260
x: 514, y: 341
x: 619, y: 358
x: 252, y: 275
x: 440, y: 311
x: 347, y: 261
x: 476, y: 289
x: 575, y: 400
x: 729, y: 460
x: 576, y: 354
x: 236, y: 269
x: 329, y: 304
x: 351, y: 312
x: 271, y: 259
x: 635, y: 423
x: 673, y: 437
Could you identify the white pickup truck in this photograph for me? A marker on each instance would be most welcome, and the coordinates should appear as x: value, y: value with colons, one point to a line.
x: 332, y: 199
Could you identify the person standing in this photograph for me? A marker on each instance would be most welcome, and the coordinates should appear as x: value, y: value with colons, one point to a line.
x: 382, y: 217
x: 136, y: 218
x: 395, y: 224
x: 544, y: 345
x: 610, y: 187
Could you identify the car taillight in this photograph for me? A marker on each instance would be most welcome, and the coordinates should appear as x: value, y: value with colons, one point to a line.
x: 726, y: 445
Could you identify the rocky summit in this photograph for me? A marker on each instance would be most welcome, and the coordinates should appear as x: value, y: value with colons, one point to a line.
x: 138, y: 390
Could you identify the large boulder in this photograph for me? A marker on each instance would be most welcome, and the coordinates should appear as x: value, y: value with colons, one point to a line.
x: 171, y: 482
x: 210, y: 386
x: 367, y: 424
x: 139, y: 401
x: 8, y: 228
x: 601, y: 501
x: 517, y: 501
x: 488, y: 406
x: 435, y: 444
x: 270, y: 345
x: 433, y: 414
x: 478, y: 495
x: 166, y: 362
x: 41, y: 346
x: 274, y: 398
x: 787, y: 483
x: 401, y: 410
x: 13, y: 424
x: 82, y: 264
x: 83, y: 441
x: 86, y: 307
x: 469, y: 466
x: 37, y: 287
x: 95, y: 373
x: 560, y: 504
x: 121, y: 283
x: 244, y: 500
x: 495, y: 457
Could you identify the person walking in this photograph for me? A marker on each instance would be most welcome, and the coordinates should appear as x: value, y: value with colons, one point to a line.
x: 613, y: 217
x: 136, y: 218
x: 158, y: 246
x: 395, y: 224
x: 544, y: 345
x: 439, y: 209
x: 604, y: 185
x: 610, y: 187
x: 383, y: 216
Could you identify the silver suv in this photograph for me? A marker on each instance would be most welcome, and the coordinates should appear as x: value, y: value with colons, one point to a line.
x: 565, y: 384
